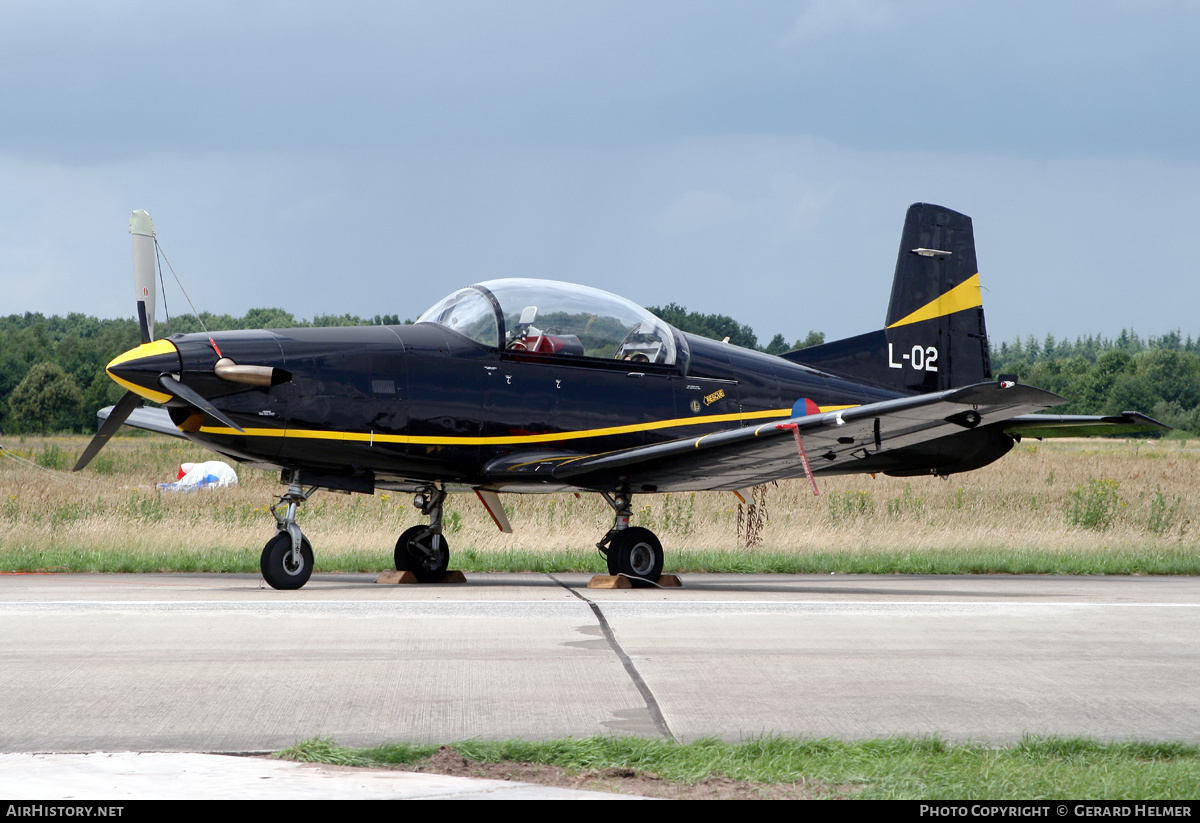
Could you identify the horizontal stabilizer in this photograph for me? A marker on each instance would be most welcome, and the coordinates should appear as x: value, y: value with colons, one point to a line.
x: 1082, y: 425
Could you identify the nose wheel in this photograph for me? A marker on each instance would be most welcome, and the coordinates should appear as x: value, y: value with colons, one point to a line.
x: 287, y: 559
x: 283, y: 568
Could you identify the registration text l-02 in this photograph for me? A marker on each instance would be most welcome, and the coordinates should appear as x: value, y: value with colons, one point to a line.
x: 920, y: 358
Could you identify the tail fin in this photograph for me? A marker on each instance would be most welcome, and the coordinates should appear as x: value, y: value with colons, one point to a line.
x: 934, y: 337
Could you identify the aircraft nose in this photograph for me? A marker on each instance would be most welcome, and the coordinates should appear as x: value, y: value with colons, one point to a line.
x: 139, y: 369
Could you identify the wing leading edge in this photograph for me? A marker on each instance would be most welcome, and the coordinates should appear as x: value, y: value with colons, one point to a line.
x: 938, y: 432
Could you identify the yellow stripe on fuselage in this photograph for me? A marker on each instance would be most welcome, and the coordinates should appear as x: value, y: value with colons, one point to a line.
x: 965, y: 295
x: 502, y: 440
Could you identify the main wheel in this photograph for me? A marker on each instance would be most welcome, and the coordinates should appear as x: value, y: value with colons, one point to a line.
x: 636, y: 552
x: 279, y: 569
x: 414, y: 553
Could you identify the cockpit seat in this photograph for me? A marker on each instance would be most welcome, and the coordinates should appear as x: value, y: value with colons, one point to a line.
x: 549, y: 344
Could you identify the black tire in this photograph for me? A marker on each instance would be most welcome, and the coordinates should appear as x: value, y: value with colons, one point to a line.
x: 276, y: 568
x: 636, y: 553
x: 428, y: 566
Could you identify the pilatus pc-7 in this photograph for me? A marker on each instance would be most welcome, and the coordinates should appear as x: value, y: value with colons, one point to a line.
x: 525, y: 386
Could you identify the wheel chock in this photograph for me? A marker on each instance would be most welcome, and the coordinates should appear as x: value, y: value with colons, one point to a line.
x: 394, y: 577
x: 620, y: 581
x: 609, y: 581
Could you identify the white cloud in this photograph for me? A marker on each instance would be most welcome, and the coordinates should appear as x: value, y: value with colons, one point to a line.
x: 821, y: 17
x: 700, y: 210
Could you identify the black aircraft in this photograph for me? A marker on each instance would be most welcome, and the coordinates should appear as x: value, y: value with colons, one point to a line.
x: 520, y: 386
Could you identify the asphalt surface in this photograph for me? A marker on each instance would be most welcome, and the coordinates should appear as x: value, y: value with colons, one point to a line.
x: 221, y: 664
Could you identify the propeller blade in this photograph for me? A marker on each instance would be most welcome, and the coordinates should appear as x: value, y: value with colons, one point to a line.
x: 170, y: 384
x: 120, y: 412
x: 142, y: 229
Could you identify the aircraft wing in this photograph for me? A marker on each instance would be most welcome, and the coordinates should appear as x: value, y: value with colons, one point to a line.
x: 1081, y: 425
x: 844, y: 441
x: 532, y: 470
x: 155, y: 420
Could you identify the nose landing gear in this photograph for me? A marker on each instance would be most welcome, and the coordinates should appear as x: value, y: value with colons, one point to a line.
x: 287, y: 559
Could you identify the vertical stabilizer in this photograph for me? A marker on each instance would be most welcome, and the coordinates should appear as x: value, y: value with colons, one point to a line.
x: 934, y: 337
x: 141, y: 226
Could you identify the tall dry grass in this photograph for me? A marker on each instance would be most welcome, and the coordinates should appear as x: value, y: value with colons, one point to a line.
x: 1036, y: 498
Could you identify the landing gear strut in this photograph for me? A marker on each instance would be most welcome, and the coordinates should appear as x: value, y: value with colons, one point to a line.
x: 631, y: 550
x: 423, y: 550
x: 287, y: 559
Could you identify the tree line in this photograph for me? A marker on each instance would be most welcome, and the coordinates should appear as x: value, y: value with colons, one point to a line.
x: 52, y: 368
x: 1159, y: 376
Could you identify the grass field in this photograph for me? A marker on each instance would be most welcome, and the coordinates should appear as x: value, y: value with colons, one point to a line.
x: 888, y: 768
x: 1070, y: 506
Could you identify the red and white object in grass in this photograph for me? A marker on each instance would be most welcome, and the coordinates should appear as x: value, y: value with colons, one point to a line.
x: 212, y: 474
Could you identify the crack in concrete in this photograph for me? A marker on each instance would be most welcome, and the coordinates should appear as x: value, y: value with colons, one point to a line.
x: 656, y: 715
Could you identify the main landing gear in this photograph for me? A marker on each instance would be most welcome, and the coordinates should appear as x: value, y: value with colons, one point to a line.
x: 631, y: 550
x: 423, y: 550
x: 287, y: 559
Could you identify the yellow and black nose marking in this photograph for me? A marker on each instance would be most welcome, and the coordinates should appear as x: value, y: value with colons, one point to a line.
x: 138, y: 369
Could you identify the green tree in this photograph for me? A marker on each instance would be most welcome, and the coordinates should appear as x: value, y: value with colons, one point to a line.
x: 815, y: 338
x: 1174, y: 374
x: 712, y: 326
x: 1096, y: 387
x: 270, y: 319
x: 326, y: 320
x: 46, y: 397
x: 1130, y: 392
x: 778, y: 345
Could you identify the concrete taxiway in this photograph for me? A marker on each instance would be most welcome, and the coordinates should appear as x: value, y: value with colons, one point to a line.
x: 219, y: 663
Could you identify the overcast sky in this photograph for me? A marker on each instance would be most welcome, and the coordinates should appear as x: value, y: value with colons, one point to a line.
x: 753, y: 159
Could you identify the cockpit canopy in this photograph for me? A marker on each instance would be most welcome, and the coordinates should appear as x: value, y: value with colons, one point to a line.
x: 548, y: 317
